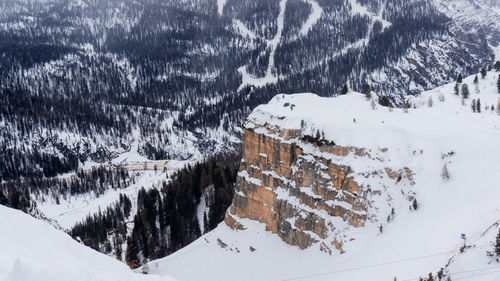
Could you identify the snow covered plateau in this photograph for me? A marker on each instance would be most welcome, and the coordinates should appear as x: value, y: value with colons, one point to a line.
x: 439, y: 129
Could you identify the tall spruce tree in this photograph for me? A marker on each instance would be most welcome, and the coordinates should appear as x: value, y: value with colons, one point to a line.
x: 368, y: 92
x: 459, y: 78
x: 476, y: 84
x: 345, y: 89
x: 484, y: 72
x: 465, y: 91
x: 457, y: 89
x: 3, y: 199
x: 497, y: 244
x: 497, y: 66
x: 498, y: 84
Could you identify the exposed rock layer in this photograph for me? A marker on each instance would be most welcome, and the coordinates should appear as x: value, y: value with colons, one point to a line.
x: 299, y: 195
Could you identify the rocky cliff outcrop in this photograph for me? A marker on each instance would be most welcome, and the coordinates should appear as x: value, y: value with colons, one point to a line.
x: 303, y: 187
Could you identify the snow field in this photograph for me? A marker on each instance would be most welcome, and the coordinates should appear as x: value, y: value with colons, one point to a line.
x: 415, y: 242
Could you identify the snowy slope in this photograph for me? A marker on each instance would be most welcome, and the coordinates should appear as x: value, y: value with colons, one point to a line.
x: 414, y: 243
x: 32, y: 250
x: 74, y: 209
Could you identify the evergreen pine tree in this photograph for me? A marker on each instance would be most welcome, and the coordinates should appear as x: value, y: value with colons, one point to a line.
x: 465, y: 91
x: 459, y: 79
x: 368, y: 92
x: 478, y: 106
x: 497, y: 66
x: 457, y: 89
x: 205, y: 222
x: 3, y: 199
x: 476, y: 84
x: 345, y: 89
x: 498, y: 84
x: 131, y: 257
x: 497, y: 244
x: 483, y: 72
x: 473, y: 105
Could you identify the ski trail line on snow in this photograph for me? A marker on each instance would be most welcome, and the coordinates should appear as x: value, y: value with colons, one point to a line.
x: 272, y: 45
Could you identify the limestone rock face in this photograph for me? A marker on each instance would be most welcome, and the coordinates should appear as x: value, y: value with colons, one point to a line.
x: 305, y: 192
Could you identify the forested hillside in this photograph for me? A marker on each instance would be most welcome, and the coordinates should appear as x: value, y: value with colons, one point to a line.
x: 90, y: 87
x: 87, y: 78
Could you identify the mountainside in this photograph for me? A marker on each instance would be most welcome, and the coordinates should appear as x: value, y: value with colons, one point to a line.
x: 363, y: 191
x: 34, y: 250
x: 122, y: 122
x: 175, y: 79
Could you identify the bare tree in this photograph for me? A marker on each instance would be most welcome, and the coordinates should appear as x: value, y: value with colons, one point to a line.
x: 441, y: 97
x: 445, y: 175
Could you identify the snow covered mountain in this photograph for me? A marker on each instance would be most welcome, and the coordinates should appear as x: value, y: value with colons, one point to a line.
x: 131, y: 64
x: 33, y: 250
x: 413, y: 221
x: 99, y: 99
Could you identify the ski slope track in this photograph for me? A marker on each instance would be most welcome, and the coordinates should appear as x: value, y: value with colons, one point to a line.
x: 440, y: 129
x: 272, y: 45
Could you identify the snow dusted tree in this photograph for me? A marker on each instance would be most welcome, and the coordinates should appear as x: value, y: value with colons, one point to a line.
x: 373, y: 105
x: 497, y: 66
x: 441, y: 97
x: 368, y: 92
x: 497, y: 244
x: 483, y: 72
x: 440, y: 274
x: 345, y: 89
x: 459, y: 79
x: 445, y: 175
x: 473, y: 105
x: 457, y: 89
x: 478, y: 106
x: 430, y: 102
x: 406, y: 106
x: 498, y: 84
x: 476, y: 84
x: 465, y: 91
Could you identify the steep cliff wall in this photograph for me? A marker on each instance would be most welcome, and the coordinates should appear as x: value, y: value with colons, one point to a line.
x: 303, y: 187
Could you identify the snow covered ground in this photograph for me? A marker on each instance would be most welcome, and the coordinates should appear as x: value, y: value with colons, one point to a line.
x: 441, y: 129
x: 75, y: 209
x: 32, y: 250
